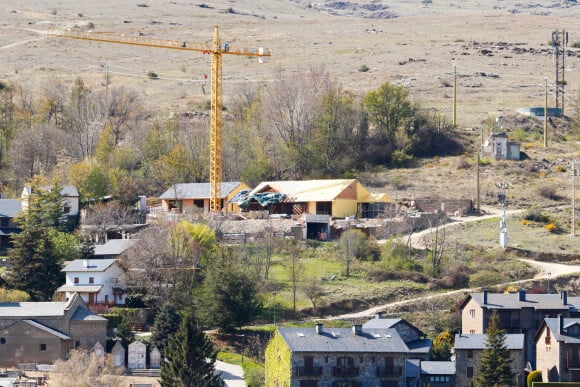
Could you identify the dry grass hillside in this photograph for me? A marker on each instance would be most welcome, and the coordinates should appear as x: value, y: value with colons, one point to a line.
x: 500, y: 47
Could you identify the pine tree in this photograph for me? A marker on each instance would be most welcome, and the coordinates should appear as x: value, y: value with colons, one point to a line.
x: 495, y: 366
x: 166, y: 324
x: 189, y: 358
x: 36, y: 264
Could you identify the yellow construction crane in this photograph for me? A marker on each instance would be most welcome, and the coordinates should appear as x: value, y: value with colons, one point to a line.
x: 216, y: 51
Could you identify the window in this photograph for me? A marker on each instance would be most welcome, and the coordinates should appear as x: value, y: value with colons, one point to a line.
x: 91, y: 280
x: 326, y: 359
x: 470, y: 372
x: 2, y: 340
x: 548, y: 337
x: 343, y: 361
x: 66, y: 209
x: 470, y: 353
x: 42, y: 347
x: 4, y: 222
x: 472, y: 331
x: 76, y: 280
x: 472, y: 313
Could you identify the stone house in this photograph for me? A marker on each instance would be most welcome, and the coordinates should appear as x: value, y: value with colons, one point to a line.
x: 97, y: 281
x: 43, y: 332
x: 355, y: 357
x: 518, y: 313
x: 468, y: 350
x: 558, y: 349
x: 435, y: 373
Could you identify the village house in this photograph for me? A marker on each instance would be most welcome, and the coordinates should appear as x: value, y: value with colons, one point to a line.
x: 194, y: 197
x: 354, y: 357
x: 113, y: 248
x: 468, y: 350
x: 43, y: 332
x: 97, y: 281
x: 518, y: 312
x: 558, y: 349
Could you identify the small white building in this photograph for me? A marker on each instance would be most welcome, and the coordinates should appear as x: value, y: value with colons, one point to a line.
x: 500, y: 148
x: 98, y: 281
x: 70, y: 196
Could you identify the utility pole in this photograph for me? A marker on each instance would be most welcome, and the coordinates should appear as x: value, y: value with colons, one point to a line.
x: 454, y: 96
x: 503, y: 236
x: 546, y: 114
x: 574, y: 172
x: 478, y: 190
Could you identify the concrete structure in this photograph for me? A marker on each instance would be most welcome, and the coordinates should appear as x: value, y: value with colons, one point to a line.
x: 137, y: 355
x: 43, y: 332
x: 118, y: 353
x: 518, y: 313
x: 192, y: 197
x: 468, y: 350
x: 97, y: 281
x: 357, y: 356
x: 499, y: 148
x: 558, y: 349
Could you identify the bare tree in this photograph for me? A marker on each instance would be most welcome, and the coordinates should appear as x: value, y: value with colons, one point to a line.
x: 314, y: 291
x: 85, y: 369
x: 34, y: 150
x: 104, y: 218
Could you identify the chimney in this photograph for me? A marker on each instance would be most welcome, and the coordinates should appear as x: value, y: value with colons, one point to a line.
x: 485, y: 296
x: 564, y: 297
x: 356, y: 329
x: 379, y: 315
x: 522, y: 295
x: 560, y: 324
x: 85, y: 263
x: 318, y: 329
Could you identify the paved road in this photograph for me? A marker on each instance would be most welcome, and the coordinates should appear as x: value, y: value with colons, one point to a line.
x: 233, y: 375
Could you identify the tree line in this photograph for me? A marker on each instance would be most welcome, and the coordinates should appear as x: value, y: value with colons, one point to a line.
x: 305, y: 126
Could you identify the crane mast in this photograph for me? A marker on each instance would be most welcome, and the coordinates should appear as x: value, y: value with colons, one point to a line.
x: 215, y: 50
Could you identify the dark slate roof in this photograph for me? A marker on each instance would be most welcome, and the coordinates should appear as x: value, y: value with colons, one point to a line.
x: 32, y: 309
x: 412, y: 368
x: 340, y: 340
x: 197, y: 190
x: 535, y: 301
x: 114, y: 246
x: 83, y: 314
x: 513, y: 341
x: 554, y: 324
x: 93, y: 265
x: 382, y: 323
x: 438, y: 368
x: 9, y: 208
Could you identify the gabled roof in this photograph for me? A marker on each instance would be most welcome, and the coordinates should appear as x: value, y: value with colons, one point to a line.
x: 561, y: 335
x: 47, y: 329
x: 534, y: 301
x: 32, y: 309
x: 343, y: 340
x: 197, y: 190
x: 438, y: 368
x: 10, y: 208
x: 83, y: 314
x: 114, y: 246
x: 513, y: 341
x: 66, y: 191
x: 306, y: 190
x: 94, y: 265
x: 386, y: 323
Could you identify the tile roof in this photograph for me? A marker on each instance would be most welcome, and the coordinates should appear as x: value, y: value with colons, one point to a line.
x: 94, y: 265
x: 513, y: 341
x: 306, y: 190
x: 535, y: 301
x: 114, y: 246
x: 340, y: 340
x: 197, y: 190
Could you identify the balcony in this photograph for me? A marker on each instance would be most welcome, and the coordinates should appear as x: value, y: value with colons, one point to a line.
x: 308, y: 371
x: 347, y: 372
x: 391, y: 372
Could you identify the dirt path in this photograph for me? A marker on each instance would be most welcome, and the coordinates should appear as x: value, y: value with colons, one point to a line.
x: 418, y: 240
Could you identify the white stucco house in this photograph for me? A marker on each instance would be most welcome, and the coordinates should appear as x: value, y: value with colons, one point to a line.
x: 70, y: 196
x: 98, y: 281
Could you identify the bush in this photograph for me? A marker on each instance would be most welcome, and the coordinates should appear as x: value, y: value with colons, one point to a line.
x: 485, y: 278
x: 363, y: 68
x: 462, y: 163
x: 535, y: 215
x: 152, y: 75
x: 548, y: 192
x: 534, y: 376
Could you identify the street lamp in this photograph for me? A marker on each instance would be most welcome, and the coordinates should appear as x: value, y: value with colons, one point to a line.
x: 274, y: 307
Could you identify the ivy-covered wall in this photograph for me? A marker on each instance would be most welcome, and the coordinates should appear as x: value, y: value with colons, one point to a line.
x: 278, y: 362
